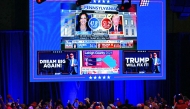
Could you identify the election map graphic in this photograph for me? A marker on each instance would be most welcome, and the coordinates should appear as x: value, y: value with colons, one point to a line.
x: 100, y: 62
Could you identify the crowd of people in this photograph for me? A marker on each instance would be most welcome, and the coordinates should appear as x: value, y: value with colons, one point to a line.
x: 180, y: 102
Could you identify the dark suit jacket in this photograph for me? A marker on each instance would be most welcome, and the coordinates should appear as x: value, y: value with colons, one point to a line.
x: 120, y: 28
x: 151, y: 65
x: 78, y: 28
x: 67, y: 66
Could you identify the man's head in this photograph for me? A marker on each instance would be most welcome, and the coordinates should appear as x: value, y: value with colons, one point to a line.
x: 155, y: 55
x: 67, y: 56
x: 87, y: 99
x: 116, y: 19
x: 80, y: 103
x: 71, y: 55
x: 150, y: 55
x: 34, y: 104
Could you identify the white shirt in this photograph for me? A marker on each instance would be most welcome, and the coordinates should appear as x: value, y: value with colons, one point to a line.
x: 72, y: 62
x: 115, y: 28
x: 155, y: 61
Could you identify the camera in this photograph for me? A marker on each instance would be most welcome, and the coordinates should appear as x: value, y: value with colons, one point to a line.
x: 98, y: 102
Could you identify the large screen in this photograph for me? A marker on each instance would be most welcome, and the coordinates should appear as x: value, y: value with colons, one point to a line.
x: 97, y: 41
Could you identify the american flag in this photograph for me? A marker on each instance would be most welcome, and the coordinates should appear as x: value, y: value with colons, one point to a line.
x: 144, y: 2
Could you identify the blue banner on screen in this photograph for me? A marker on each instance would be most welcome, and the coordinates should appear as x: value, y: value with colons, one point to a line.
x: 98, y: 65
x: 140, y: 62
x: 58, y: 63
x: 107, y: 43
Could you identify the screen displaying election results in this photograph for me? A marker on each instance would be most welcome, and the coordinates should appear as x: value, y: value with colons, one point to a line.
x: 101, y: 26
x: 97, y: 41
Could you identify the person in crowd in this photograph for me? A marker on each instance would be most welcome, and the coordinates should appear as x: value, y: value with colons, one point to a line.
x: 59, y: 104
x: 87, y: 103
x: 8, y: 106
x: 76, y: 103
x: 81, y: 105
x: 13, y: 106
x: 180, y: 105
x: 49, y: 104
x: 33, y: 105
x: 97, y: 105
x: 163, y: 103
x: 118, y: 103
x: 110, y: 105
x: 149, y: 101
x: 127, y: 105
x: 69, y: 106
x: 146, y: 106
x: 2, y: 105
x: 158, y: 98
x: 39, y: 106
x: 23, y: 106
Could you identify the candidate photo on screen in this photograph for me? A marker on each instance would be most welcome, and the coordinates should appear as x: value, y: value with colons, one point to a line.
x: 98, y: 45
x: 74, y: 45
x: 82, y: 23
x: 73, y: 64
x: 117, y: 27
x: 156, y: 62
x: 66, y: 69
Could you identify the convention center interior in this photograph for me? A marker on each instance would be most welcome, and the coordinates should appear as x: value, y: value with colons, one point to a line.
x: 94, y: 54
